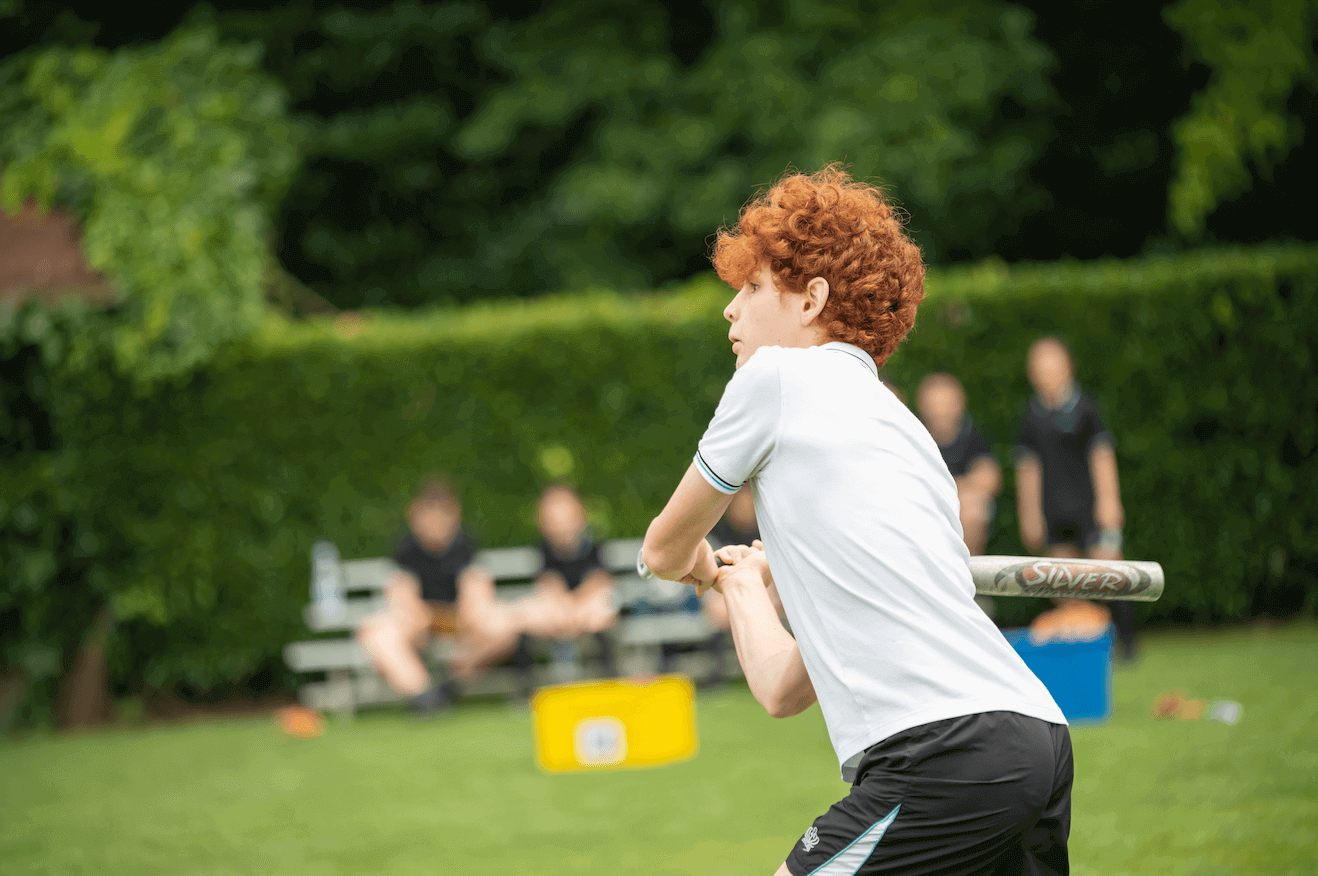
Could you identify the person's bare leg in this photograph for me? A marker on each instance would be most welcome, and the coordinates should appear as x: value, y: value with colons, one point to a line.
x: 782, y: 871
x: 490, y: 630
x: 478, y: 650
x: 548, y: 612
x: 594, y: 603
x: 388, y: 643
x: 409, y: 611
x: 392, y: 638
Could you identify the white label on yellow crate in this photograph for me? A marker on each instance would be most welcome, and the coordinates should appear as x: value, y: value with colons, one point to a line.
x: 599, y: 741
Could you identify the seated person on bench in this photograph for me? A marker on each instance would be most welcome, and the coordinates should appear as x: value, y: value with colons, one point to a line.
x: 439, y: 591
x: 573, y: 578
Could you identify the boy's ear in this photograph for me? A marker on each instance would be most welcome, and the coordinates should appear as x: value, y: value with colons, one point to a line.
x: 813, y: 300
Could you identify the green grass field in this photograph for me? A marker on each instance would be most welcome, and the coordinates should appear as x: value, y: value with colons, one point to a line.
x: 389, y: 795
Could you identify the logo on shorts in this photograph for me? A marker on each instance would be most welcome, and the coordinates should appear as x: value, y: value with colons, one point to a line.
x: 811, y: 838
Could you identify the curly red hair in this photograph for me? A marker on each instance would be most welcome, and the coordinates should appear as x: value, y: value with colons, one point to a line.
x: 826, y: 224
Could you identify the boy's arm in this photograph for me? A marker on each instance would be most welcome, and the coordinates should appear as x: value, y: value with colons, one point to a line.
x: 983, y: 479
x: 675, y: 548
x: 1029, y: 502
x: 1108, y: 513
x: 768, y: 654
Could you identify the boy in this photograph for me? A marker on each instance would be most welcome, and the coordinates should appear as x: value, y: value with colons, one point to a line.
x: 1068, y: 495
x: 960, y: 760
x: 439, y: 591
x: 574, y: 580
x: 422, y: 597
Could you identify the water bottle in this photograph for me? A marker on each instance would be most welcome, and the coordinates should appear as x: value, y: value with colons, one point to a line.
x: 327, y: 584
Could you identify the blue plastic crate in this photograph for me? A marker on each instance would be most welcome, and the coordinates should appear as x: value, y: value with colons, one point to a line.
x: 1077, y: 674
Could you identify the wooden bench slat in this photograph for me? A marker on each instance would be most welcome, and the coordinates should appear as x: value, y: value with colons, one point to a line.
x: 506, y: 564
x: 656, y: 629
x: 350, y: 615
x: 619, y: 554
x: 323, y: 654
x: 370, y: 574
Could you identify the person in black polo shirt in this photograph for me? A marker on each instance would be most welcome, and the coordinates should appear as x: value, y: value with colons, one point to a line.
x: 1068, y: 495
x: 436, y: 591
x: 942, y: 404
x: 573, y: 579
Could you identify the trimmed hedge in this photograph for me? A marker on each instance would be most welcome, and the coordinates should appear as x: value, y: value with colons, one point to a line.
x: 192, y: 510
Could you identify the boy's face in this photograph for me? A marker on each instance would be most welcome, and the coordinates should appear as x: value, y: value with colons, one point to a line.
x: 1050, y: 370
x: 942, y: 406
x: 434, y: 523
x: 762, y: 315
x: 562, y: 518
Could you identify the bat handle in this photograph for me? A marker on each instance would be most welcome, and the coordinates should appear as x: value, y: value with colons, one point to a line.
x: 644, y: 570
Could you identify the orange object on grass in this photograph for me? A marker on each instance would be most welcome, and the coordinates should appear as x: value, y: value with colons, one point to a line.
x: 300, y: 721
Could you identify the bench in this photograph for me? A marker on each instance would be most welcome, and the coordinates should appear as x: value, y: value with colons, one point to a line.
x: 346, y: 592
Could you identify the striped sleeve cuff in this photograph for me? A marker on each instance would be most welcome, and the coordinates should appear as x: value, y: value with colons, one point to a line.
x: 718, y: 483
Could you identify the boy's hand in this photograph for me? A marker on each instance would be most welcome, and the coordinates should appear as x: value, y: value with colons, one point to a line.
x: 705, y: 572
x: 743, y: 563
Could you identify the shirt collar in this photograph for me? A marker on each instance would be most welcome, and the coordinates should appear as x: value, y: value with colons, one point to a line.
x: 1069, y: 401
x: 854, y: 351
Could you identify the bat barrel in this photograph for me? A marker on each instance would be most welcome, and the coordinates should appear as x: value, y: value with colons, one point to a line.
x: 1133, y: 580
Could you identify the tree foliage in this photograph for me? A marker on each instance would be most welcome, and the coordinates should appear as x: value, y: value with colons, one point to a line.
x: 459, y: 151
x: 174, y: 156
x: 1259, y: 52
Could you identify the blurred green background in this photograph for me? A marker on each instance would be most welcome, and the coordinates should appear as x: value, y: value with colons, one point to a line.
x: 305, y: 216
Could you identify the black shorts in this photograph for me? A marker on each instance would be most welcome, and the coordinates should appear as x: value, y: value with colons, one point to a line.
x: 1080, y: 531
x: 987, y: 793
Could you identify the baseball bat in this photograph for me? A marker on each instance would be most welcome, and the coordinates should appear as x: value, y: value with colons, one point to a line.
x: 1133, y: 580
x: 1107, y: 580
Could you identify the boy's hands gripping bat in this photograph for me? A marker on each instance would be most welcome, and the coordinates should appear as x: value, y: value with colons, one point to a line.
x: 1107, y: 580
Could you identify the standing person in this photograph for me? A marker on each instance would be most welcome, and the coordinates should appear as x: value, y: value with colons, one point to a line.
x: 959, y: 759
x: 573, y: 577
x: 942, y: 402
x: 1067, y: 491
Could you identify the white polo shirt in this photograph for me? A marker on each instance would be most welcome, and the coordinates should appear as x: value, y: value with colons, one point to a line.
x: 859, y: 518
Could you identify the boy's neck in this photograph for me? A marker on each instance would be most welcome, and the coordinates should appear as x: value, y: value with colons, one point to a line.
x: 946, y: 436
x: 571, y: 547
x: 433, y: 547
x: 1061, y: 399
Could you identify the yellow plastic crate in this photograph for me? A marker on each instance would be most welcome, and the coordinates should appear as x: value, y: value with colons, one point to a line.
x: 615, y: 724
